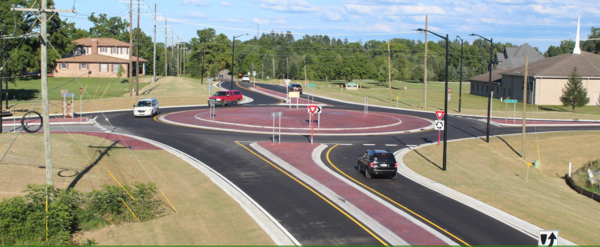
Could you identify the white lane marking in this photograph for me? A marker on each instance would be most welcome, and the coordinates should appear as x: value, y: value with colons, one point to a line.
x: 345, y: 144
x: 391, y: 145
x: 107, y: 131
x: 368, y: 144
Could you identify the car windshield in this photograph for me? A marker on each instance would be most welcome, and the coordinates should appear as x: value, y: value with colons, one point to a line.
x: 220, y: 94
x: 385, y: 158
x: 144, y: 103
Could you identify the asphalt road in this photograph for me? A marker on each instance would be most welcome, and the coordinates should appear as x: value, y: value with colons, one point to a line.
x: 311, y: 220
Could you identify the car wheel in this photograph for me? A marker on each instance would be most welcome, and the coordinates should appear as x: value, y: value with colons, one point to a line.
x: 223, y: 103
x: 358, y: 168
x: 237, y: 102
x: 367, y: 174
x: 395, y: 176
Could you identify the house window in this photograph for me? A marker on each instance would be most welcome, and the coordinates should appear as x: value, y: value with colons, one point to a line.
x: 83, y: 65
x: 63, y: 65
x: 103, y: 67
x: 116, y: 68
x: 114, y: 50
x: 103, y: 49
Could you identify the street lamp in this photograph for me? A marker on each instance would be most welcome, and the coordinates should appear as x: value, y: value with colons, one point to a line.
x: 232, y: 57
x: 445, y: 98
x: 487, y: 138
x: 462, y: 45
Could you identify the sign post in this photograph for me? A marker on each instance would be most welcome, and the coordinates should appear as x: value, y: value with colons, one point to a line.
x: 209, y: 88
x: 211, y: 104
x: 254, y: 77
x: 80, y: 104
x: 313, y: 92
x: 439, y: 124
x: 397, y: 101
x: 312, y: 109
x: 287, y: 82
x: 513, y: 101
x: 294, y: 95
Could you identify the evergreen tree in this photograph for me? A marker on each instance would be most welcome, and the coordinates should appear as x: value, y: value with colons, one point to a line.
x: 574, y: 94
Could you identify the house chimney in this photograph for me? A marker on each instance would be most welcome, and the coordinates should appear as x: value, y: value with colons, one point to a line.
x: 94, y: 46
x: 576, y: 50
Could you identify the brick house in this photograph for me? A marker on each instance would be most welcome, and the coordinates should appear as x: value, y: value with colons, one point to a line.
x: 101, y: 56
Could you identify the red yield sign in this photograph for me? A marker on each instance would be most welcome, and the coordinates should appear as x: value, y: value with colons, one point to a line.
x: 439, y: 114
x: 312, y: 108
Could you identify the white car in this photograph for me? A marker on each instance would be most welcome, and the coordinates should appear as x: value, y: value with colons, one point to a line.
x: 245, y: 79
x: 146, y: 107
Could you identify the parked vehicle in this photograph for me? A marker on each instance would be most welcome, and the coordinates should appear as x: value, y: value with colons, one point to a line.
x: 245, y: 79
x: 225, y: 97
x: 294, y: 87
x: 377, y: 162
x: 146, y: 107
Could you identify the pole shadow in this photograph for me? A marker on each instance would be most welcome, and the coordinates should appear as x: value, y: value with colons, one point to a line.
x: 511, y: 148
x: 93, y: 164
x: 428, y: 160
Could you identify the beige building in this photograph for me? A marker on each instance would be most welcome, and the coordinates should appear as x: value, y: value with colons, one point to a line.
x: 546, y: 79
x: 100, y: 56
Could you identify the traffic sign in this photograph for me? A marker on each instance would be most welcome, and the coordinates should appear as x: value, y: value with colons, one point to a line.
x: 212, y: 102
x: 311, y: 85
x: 548, y: 238
x: 312, y: 109
x: 80, y: 91
x: 449, y: 89
x: 287, y: 81
x: 210, y: 80
x: 253, y: 72
x: 439, y: 114
x: 514, y: 101
x: 438, y: 125
x: 64, y: 91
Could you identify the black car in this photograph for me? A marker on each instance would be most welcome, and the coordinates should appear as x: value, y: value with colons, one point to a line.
x: 377, y: 162
x: 295, y: 87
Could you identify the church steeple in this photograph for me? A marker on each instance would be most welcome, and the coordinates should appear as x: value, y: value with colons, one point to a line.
x: 576, y: 50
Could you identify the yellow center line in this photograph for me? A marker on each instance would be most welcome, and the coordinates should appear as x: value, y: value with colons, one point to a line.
x: 319, y: 195
x: 387, y: 198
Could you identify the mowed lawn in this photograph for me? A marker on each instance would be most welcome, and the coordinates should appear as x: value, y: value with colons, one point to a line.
x: 495, y: 174
x: 108, y: 94
x: 412, y: 98
x: 206, y: 214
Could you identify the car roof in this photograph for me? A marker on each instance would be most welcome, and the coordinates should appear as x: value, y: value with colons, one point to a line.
x: 147, y: 99
x: 295, y: 84
x: 381, y: 151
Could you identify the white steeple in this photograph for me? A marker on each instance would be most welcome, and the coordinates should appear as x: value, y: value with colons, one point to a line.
x: 576, y: 50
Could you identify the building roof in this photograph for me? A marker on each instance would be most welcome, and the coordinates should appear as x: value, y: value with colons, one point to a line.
x: 485, y: 77
x: 97, y: 58
x: 101, y: 42
x: 515, y: 56
x: 587, y: 63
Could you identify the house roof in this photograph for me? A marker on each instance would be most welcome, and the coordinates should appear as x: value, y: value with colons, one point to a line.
x: 97, y: 58
x: 485, y: 77
x: 515, y: 56
x: 101, y: 42
x: 587, y: 63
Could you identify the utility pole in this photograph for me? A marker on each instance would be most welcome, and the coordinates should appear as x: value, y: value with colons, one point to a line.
x: 425, y: 69
x: 525, y: 82
x: 304, y: 59
x: 130, y: 45
x: 166, y: 36
x: 172, y: 43
x: 273, y: 68
x: 137, y: 63
x: 43, y: 9
x: 178, y: 59
x: 287, y: 62
x: 203, y: 54
x: 2, y: 71
x: 184, y: 56
x: 462, y: 45
x: 154, y: 63
x: 262, y: 72
x: 390, y: 69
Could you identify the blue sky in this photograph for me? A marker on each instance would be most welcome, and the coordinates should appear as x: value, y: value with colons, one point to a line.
x: 540, y: 23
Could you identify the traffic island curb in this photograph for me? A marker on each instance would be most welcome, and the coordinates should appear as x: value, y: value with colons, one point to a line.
x: 508, y: 219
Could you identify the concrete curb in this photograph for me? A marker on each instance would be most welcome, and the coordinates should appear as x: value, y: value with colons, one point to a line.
x: 508, y: 219
x: 271, y: 226
x: 316, y: 155
x: 371, y: 223
x: 432, y: 112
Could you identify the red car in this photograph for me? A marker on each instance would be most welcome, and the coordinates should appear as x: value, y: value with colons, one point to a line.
x: 225, y: 97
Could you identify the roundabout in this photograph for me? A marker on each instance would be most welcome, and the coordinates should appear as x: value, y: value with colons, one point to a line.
x: 259, y: 120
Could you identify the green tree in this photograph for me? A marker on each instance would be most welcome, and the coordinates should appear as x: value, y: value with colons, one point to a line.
x: 574, y: 94
x: 113, y: 27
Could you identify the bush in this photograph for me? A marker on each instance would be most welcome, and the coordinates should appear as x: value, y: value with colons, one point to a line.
x: 23, y: 219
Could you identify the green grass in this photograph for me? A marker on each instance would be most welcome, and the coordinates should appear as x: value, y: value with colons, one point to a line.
x: 412, y: 98
x: 29, y: 89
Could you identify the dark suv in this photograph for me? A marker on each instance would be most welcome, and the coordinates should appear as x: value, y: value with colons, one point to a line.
x: 377, y: 162
x: 294, y: 87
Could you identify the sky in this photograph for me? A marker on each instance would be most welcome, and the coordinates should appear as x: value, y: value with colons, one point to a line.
x: 540, y: 23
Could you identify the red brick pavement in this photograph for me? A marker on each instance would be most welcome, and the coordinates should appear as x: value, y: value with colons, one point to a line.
x: 301, y: 158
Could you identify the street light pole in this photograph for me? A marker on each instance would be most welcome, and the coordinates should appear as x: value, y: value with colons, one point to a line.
x: 233, y: 57
x: 445, y: 98
x: 487, y: 133
x: 462, y: 45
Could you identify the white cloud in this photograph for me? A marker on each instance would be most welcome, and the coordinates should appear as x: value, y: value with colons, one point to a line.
x: 226, y: 3
x: 261, y: 21
x: 414, y: 10
x: 287, y: 5
x: 201, y: 3
x: 193, y: 14
x: 280, y: 21
x: 358, y: 9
